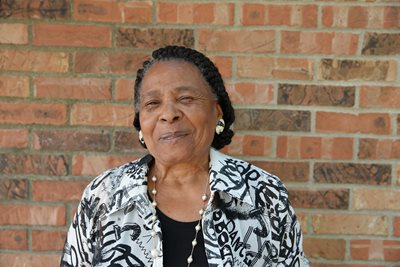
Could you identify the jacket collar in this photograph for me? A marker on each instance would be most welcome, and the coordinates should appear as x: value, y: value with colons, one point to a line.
x: 224, y: 172
x: 225, y: 176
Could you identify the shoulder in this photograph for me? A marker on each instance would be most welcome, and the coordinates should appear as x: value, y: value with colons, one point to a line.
x: 112, y: 176
x: 105, y: 186
x: 262, y: 187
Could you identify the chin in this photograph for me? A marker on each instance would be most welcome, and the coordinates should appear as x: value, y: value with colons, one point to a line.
x: 174, y: 152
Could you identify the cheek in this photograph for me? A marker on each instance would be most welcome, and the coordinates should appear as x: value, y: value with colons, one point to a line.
x: 208, y: 124
x: 146, y: 123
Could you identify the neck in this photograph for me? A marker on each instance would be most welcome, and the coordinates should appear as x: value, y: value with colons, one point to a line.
x: 181, y: 173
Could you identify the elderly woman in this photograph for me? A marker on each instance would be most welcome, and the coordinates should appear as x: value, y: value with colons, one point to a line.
x: 185, y: 203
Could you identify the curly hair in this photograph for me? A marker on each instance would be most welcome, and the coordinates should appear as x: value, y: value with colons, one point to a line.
x: 209, y: 72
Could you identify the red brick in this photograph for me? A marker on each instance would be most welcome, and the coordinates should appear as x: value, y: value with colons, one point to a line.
x: 331, y: 249
x: 31, y: 260
x: 113, y: 11
x: 261, y: 119
x: 381, y: 44
x: 290, y: 147
x: 33, y: 113
x: 13, y: 239
x: 71, y: 35
x: 98, y: 10
x: 138, y: 12
x: 288, y: 15
x: 365, y: 70
x: 344, y: 43
x: 167, y: 12
x: 13, y: 138
x: 351, y: 224
x: 14, y: 86
x: 254, y: 145
x: 287, y: 171
x: 124, y: 89
x: 396, y: 226
x: 319, y: 43
x: 36, y: 9
x: 375, y: 250
x: 48, y: 240
x: 95, y: 165
x: 358, y: 17
x: 224, y: 14
x: 337, y: 199
x: 304, y: 15
x: 352, y: 173
x: 250, y: 93
x: 253, y: 14
x: 256, y: 41
x: 380, y: 96
x: 13, y: 33
x: 315, y: 95
x: 376, y: 199
x: 102, y: 115
x: 73, y: 88
x: 224, y: 65
x: 75, y: 140
x: 379, y: 148
x: 274, y: 68
x: 25, y: 60
x: 197, y: 13
x: 40, y: 164
x: 361, y: 16
x: 391, y: 16
x: 314, y: 147
x: 398, y: 124
x: 334, y: 16
x: 302, y: 218
x: 43, y: 190
x: 108, y: 62
x: 148, y: 38
x: 127, y: 141
x: 73, y: 211
x: 372, y: 123
x: 18, y: 214
x: 13, y: 189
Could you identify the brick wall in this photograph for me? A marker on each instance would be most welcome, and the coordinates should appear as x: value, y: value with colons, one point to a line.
x: 315, y: 86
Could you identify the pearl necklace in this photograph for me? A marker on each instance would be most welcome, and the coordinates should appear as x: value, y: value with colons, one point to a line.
x: 154, y: 252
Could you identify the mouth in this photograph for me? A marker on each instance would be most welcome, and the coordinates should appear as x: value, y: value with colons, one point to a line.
x: 172, y: 136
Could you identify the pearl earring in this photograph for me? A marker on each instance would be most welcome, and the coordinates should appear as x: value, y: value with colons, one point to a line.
x: 141, y: 140
x: 220, y: 126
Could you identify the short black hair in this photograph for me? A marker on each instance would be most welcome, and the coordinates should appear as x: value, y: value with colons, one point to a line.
x: 209, y: 72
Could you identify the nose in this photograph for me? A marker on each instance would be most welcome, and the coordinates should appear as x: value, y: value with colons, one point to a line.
x: 170, y: 113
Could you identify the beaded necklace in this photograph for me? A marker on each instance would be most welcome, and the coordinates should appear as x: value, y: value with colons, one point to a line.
x: 154, y: 252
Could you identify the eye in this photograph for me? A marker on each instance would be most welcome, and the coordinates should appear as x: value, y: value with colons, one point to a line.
x: 151, y: 103
x: 186, y: 99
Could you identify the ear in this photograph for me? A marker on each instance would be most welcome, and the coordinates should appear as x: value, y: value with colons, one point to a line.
x: 219, y: 111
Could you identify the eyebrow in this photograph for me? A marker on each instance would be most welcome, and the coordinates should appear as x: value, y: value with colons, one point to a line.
x: 179, y: 89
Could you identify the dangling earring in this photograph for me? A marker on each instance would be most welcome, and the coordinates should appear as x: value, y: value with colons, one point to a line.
x: 220, y: 126
x: 141, y: 140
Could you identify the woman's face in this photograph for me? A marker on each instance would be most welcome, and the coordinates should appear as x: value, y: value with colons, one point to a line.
x: 178, y: 112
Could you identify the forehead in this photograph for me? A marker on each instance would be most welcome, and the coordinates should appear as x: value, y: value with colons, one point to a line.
x: 173, y: 73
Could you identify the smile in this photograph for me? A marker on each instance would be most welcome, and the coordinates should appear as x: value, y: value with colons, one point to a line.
x: 170, y: 136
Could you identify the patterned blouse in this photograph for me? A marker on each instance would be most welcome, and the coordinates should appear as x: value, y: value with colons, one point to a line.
x: 248, y: 221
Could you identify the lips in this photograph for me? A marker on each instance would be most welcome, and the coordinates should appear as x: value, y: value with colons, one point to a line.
x: 171, y: 136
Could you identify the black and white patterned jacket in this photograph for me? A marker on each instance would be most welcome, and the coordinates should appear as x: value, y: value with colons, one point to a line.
x: 248, y: 221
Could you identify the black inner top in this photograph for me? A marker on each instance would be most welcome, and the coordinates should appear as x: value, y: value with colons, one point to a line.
x: 177, y: 243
